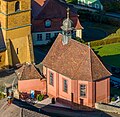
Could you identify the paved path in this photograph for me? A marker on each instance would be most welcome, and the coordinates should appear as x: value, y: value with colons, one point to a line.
x: 15, y: 109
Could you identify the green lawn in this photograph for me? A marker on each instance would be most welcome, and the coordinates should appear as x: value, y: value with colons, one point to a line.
x: 110, y: 53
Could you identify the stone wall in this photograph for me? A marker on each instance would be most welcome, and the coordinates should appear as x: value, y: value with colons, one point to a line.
x: 107, y: 108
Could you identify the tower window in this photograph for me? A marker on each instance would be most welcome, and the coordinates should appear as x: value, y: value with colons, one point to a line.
x: 17, y: 51
x: 17, y: 6
x: 0, y: 58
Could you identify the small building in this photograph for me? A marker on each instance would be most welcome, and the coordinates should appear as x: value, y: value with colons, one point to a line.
x: 96, y: 4
x: 73, y: 71
x: 29, y: 79
x: 47, y: 17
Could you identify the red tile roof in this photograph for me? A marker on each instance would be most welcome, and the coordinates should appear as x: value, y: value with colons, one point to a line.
x: 75, y: 60
x: 27, y: 72
x: 53, y: 10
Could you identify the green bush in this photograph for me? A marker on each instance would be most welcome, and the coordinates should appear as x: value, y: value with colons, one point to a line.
x: 40, y: 97
x: 113, y: 99
x: 2, y: 95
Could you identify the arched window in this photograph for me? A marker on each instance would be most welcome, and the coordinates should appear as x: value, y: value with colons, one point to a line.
x: 17, y: 6
x: 47, y: 23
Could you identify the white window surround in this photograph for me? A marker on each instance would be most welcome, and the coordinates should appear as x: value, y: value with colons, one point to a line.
x: 97, y: 6
x: 89, y: 3
x: 39, y: 37
x: 44, y: 41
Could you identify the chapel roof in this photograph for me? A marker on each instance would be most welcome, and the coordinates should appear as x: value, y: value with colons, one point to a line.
x: 75, y: 60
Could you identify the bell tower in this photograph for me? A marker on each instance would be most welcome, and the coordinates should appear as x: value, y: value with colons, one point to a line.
x: 15, y: 20
x: 67, y: 28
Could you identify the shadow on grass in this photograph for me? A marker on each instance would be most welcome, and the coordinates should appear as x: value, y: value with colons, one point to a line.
x: 113, y: 60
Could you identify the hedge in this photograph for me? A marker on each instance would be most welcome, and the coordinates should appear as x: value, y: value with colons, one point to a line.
x: 104, y: 42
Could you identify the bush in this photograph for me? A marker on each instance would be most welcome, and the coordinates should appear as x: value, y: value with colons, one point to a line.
x: 2, y: 95
x: 113, y: 99
x: 40, y: 97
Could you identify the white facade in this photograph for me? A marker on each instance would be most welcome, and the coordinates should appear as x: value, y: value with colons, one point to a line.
x: 40, y: 38
x: 93, y: 4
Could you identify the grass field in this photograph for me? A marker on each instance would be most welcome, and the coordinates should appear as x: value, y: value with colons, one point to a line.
x: 110, y: 53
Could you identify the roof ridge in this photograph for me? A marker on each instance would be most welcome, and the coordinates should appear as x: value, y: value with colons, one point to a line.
x: 45, y: 3
x: 91, y: 64
x: 22, y: 71
x: 92, y: 52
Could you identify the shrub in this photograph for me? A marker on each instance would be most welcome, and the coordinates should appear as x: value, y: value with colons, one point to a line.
x: 113, y: 99
x: 40, y: 97
x: 2, y: 95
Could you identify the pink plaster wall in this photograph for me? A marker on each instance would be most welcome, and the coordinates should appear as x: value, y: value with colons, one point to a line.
x: 62, y: 94
x: 85, y: 99
x: 51, y: 89
x: 28, y: 85
x: 100, y: 88
x: 103, y: 90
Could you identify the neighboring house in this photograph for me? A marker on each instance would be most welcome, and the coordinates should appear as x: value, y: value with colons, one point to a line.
x: 91, y: 3
x: 74, y: 73
x: 29, y: 79
x: 47, y: 17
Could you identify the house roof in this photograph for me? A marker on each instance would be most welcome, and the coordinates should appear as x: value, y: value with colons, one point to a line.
x: 28, y: 72
x: 75, y: 60
x: 54, y: 11
x: 44, y: 9
x: 2, y: 43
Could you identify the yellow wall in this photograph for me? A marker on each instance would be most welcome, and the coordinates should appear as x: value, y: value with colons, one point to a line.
x: 16, y: 28
x: 2, y: 63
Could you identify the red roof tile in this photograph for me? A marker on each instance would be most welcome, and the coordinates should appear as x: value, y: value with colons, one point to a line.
x: 27, y: 72
x: 75, y: 60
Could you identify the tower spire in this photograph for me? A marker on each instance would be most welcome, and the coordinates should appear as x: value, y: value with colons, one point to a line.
x: 68, y: 13
x: 67, y: 28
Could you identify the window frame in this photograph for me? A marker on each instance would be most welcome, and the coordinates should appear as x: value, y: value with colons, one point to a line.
x: 81, y: 95
x: 39, y: 37
x: 66, y: 91
x: 97, y: 6
x: 48, y: 37
x: 17, y: 50
x: 51, y: 83
x: 48, y: 23
x: 17, y: 6
x: 89, y: 4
